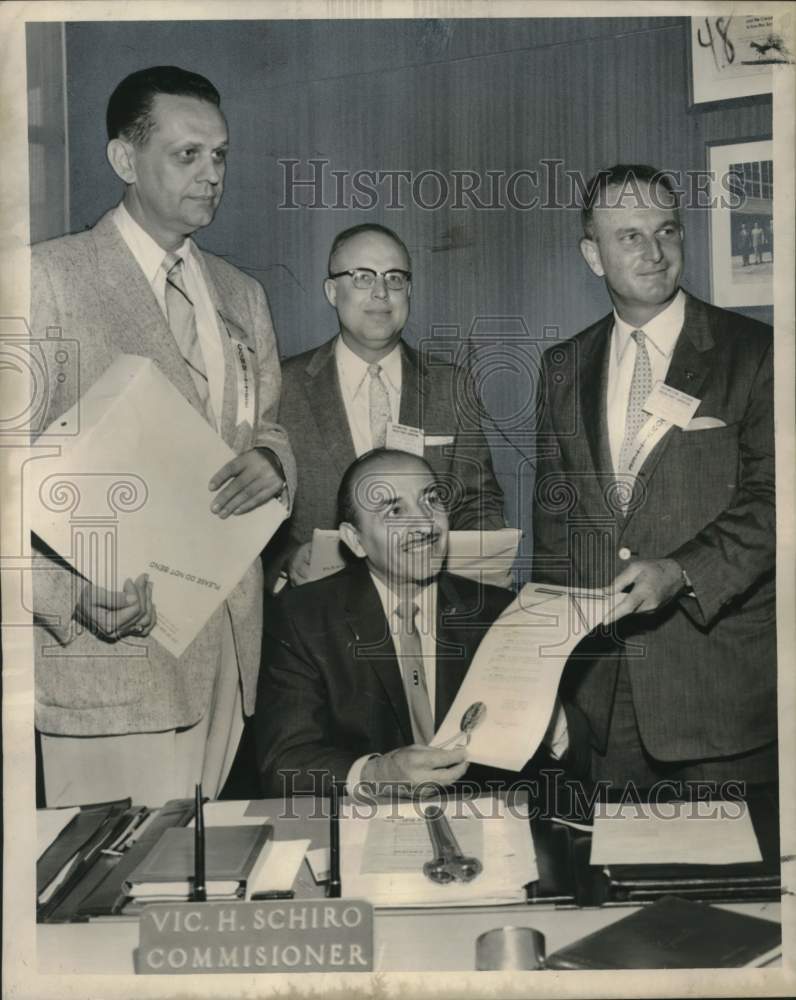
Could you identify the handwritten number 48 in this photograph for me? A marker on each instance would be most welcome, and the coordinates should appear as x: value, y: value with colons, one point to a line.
x: 723, y: 31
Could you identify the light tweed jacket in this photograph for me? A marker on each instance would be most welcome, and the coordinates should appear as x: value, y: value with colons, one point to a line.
x: 90, y: 286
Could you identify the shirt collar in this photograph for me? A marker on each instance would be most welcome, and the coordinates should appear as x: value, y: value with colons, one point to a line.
x: 425, y: 598
x: 147, y: 252
x: 661, y: 331
x: 354, y: 370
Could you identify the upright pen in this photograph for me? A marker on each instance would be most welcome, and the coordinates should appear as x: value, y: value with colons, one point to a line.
x: 334, y: 887
x: 199, y: 887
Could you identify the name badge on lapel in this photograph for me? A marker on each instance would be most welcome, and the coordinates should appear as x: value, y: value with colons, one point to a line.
x: 245, y: 372
x: 671, y: 405
x: 405, y: 438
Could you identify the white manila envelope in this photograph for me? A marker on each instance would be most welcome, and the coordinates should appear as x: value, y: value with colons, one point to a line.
x: 483, y: 556
x: 129, y: 495
x: 326, y: 556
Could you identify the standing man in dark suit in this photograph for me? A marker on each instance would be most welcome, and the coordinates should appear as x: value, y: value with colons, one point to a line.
x: 347, y: 396
x: 666, y: 497
x: 118, y: 714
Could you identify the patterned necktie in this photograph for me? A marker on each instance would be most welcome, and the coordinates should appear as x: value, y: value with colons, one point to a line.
x: 640, y: 388
x: 182, y: 322
x: 380, y: 409
x: 414, y: 674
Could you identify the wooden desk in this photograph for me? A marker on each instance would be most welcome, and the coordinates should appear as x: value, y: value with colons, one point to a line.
x: 405, y: 940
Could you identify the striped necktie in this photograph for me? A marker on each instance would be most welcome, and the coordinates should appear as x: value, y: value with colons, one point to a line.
x: 414, y: 674
x: 182, y: 322
x: 379, y: 405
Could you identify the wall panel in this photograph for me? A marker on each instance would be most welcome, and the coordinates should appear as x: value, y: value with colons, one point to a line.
x: 419, y: 95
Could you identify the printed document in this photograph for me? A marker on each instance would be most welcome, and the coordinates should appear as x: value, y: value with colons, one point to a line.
x: 506, y: 701
x: 686, y: 833
x: 384, y: 848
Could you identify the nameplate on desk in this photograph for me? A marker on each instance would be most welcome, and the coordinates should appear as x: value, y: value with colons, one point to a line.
x: 333, y: 935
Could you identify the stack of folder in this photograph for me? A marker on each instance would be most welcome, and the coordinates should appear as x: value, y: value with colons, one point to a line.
x: 86, y: 854
x: 103, y: 860
x: 166, y: 873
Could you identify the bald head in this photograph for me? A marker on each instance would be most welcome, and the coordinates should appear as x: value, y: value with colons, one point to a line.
x: 391, y: 514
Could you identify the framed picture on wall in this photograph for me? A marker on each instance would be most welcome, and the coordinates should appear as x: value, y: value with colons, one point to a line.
x: 742, y: 222
x: 732, y: 56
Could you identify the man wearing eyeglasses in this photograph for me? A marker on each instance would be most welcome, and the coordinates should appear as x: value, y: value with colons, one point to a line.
x: 367, y: 388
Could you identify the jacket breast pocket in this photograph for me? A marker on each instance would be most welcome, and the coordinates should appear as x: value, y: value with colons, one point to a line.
x: 711, y: 437
x: 702, y: 474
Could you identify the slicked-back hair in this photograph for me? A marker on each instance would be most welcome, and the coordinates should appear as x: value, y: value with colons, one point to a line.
x: 347, y: 507
x: 366, y: 227
x: 129, y: 114
x: 624, y: 176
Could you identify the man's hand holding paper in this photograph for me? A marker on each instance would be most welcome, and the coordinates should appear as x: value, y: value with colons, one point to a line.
x: 251, y: 479
x: 417, y: 765
x: 645, y: 586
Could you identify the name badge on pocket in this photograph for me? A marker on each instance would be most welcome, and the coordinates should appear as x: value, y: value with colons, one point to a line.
x: 405, y: 438
x: 672, y: 405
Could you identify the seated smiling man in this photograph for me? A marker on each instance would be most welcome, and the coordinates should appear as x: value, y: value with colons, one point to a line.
x: 360, y: 668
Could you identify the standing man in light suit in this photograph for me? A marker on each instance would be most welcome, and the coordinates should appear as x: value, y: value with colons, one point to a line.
x: 347, y: 396
x: 149, y: 726
x: 668, y: 501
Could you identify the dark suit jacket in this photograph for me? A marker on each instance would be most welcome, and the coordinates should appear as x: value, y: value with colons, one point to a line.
x: 436, y: 396
x: 330, y: 686
x: 703, y: 669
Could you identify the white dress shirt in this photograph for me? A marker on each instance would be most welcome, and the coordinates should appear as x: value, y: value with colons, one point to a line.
x: 149, y: 256
x: 352, y: 375
x: 661, y: 334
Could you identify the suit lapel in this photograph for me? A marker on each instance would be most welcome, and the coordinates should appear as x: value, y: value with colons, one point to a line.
x: 372, y: 645
x: 230, y: 326
x: 328, y: 409
x: 135, y: 322
x: 412, y: 388
x: 456, y: 645
x: 595, y: 356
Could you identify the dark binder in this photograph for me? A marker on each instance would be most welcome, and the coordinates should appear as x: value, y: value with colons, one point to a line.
x: 673, y: 933
x: 74, y: 836
x: 90, y: 831
x: 104, y: 893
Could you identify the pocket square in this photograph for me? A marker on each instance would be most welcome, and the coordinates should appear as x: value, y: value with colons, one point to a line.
x: 433, y: 440
x: 704, y: 424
